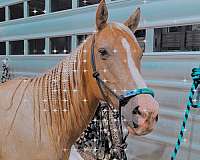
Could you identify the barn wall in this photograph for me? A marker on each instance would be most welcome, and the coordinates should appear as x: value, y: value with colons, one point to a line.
x: 156, y: 14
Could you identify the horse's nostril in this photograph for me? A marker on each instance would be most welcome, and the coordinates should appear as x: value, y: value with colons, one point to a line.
x: 156, y: 118
x: 136, y: 110
x: 135, y: 125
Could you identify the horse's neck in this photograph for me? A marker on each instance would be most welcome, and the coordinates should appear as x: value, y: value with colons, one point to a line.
x: 69, y: 99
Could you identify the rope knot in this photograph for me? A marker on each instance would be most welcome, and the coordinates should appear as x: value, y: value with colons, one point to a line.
x: 96, y: 74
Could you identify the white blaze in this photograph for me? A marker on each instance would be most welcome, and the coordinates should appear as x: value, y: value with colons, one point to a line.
x: 132, y: 67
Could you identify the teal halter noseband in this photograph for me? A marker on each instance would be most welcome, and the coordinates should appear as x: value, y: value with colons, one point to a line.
x: 132, y: 93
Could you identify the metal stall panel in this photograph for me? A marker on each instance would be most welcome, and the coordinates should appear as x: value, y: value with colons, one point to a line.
x: 155, y: 13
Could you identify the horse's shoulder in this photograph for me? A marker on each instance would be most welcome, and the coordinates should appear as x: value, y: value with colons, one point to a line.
x: 7, y: 88
x: 10, y: 83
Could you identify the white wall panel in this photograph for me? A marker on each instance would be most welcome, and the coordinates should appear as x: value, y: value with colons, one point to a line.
x: 81, y: 20
x: 10, y: 2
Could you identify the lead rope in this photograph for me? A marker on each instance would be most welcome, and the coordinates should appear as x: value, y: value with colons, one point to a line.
x: 190, y: 103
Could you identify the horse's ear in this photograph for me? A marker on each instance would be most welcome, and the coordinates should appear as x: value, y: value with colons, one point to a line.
x: 101, y: 15
x: 133, y: 20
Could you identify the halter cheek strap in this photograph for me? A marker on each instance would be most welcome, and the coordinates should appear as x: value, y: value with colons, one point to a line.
x: 123, y: 99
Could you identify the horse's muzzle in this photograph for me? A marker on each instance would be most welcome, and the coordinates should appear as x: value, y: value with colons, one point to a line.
x: 143, y: 122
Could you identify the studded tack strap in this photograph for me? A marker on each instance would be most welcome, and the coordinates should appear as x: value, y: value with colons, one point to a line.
x: 5, y: 71
x: 103, y: 130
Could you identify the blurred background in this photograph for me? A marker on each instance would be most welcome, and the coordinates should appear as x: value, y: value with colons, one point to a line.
x: 36, y: 34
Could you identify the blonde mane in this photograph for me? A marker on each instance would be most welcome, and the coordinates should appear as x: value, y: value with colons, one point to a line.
x: 59, y: 99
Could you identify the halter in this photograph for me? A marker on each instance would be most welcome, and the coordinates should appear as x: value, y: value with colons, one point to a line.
x: 123, y: 99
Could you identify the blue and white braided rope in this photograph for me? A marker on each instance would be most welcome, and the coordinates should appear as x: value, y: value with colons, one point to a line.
x: 196, y: 81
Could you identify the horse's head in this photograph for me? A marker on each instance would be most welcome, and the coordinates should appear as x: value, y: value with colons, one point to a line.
x: 117, y: 59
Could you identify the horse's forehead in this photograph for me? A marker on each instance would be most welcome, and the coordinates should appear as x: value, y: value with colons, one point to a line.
x: 121, y: 31
x: 127, y: 36
x: 115, y: 33
x: 124, y: 30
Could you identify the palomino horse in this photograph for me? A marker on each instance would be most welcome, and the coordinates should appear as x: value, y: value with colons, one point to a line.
x: 42, y: 117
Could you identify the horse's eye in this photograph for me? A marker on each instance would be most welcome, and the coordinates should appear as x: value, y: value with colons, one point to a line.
x: 103, y: 53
